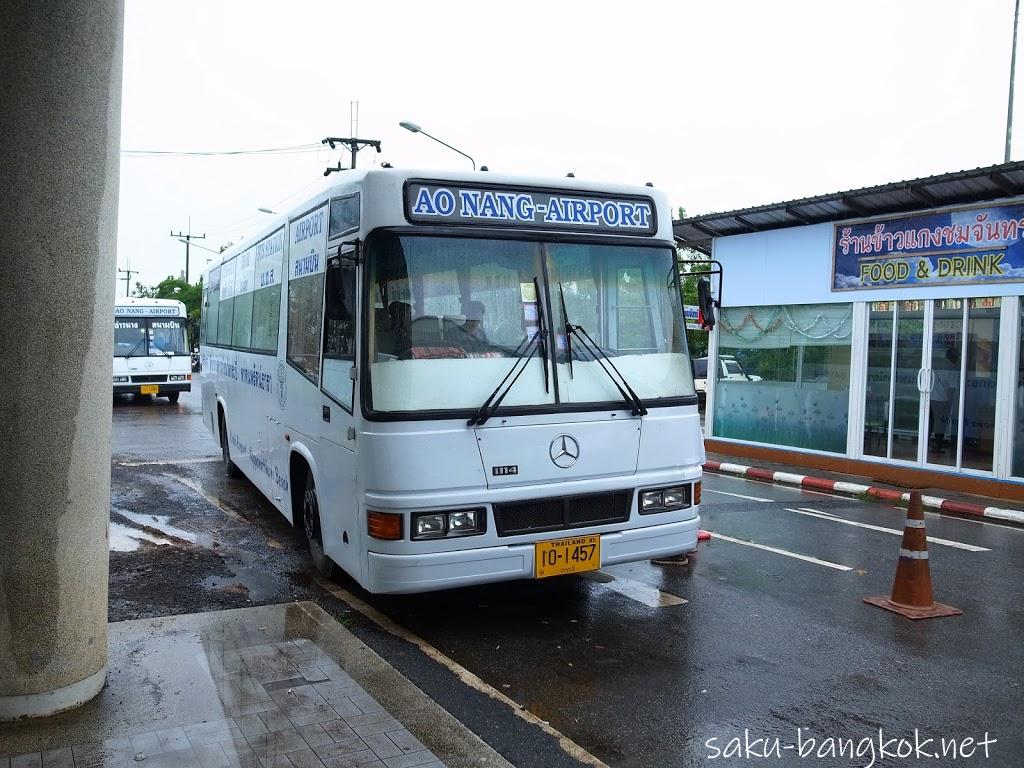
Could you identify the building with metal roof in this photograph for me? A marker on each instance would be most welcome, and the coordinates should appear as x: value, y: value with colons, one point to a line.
x: 877, y: 330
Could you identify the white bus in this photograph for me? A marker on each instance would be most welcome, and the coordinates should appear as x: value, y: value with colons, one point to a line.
x: 151, y: 355
x: 459, y: 378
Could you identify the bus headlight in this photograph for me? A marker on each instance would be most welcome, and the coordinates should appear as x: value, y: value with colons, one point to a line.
x: 664, y: 499
x: 120, y: 379
x: 441, y: 525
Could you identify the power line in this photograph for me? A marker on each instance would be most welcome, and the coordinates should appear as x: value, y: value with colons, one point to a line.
x: 296, y: 149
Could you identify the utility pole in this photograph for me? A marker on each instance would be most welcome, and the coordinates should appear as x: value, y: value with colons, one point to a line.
x: 187, y: 239
x: 1013, y: 67
x: 127, y: 278
x: 354, y: 145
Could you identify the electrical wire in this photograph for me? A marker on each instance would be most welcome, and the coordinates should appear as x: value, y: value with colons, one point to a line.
x: 296, y: 149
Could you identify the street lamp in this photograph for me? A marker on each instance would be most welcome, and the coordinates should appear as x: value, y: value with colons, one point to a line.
x: 413, y: 128
x: 267, y: 210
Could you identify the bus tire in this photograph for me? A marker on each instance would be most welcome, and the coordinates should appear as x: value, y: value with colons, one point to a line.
x: 230, y: 468
x: 311, y: 525
x: 172, y: 397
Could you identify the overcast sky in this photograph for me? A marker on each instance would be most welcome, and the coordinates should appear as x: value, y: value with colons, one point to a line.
x: 722, y: 103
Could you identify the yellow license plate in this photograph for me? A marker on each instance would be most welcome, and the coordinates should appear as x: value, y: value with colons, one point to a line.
x: 149, y: 389
x: 561, y: 556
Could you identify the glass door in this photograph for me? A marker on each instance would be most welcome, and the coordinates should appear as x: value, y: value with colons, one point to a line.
x: 931, y: 382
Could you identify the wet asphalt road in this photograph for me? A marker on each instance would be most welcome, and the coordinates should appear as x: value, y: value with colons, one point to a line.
x: 769, y: 641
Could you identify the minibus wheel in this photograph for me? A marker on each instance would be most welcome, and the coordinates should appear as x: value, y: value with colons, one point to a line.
x: 230, y: 468
x: 172, y: 397
x: 311, y: 524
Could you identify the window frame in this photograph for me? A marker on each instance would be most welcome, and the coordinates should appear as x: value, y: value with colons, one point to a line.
x: 354, y: 262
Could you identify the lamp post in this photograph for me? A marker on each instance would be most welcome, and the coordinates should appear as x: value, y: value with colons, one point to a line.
x: 412, y: 127
x: 267, y: 210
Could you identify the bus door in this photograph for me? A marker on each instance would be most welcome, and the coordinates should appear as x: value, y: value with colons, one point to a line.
x: 338, y: 516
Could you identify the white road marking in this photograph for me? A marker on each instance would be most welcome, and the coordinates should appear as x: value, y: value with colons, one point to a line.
x: 737, y: 495
x: 222, y: 505
x: 649, y: 596
x: 468, y: 678
x: 897, y: 532
x: 167, y: 461
x: 787, y: 553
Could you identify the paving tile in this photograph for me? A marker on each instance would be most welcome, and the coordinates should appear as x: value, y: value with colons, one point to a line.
x: 379, y: 727
x: 412, y: 760
x: 351, y: 760
x: 314, y: 735
x: 211, y: 756
x: 27, y: 760
x: 5, y: 762
x: 251, y: 708
x: 373, y: 717
x: 173, y: 739
x: 208, y: 726
x: 241, y: 756
x: 366, y: 703
x: 382, y: 746
x: 405, y: 741
x: 250, y: 725
x: 304, y: 758
x: 345, y: 707
x: 305, y: 695
x: 179, y: 758
x: 56, y: 758
x: 337, y: 730
x: 268, y: 745
x: 276, y: 720
x: 305, y: 715
x: 215, y: 737
x: 338, y: 748
x: 336, y: 689
x: 312, y: 673
x: 147, y: 743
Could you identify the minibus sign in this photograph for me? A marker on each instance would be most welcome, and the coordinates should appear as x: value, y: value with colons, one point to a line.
x: 434, y: 203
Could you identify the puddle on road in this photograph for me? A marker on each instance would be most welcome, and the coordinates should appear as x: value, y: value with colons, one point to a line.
x: 126, y: 539
x: 160, y: 523
x: 249, y: 578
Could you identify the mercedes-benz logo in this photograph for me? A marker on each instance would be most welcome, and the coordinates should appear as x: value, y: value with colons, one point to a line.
x: 564, y: 451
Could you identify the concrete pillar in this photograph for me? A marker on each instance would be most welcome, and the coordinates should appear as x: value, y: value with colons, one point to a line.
x: 60, y: 123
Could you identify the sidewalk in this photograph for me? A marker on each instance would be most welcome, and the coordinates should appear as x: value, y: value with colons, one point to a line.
x: 833, y: 482
x: 279, y: 686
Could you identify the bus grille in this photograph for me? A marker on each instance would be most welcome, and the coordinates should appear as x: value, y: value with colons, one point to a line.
x: 149, y: 379
x: 561, y: 513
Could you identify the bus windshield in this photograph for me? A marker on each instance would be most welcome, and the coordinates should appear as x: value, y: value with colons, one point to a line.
x: 141, y: 337
x: 447, y: 315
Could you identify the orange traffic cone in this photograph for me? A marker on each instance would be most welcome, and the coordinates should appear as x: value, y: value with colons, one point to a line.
x: 912, y: 588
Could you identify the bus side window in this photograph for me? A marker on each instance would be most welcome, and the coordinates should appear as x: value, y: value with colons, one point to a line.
x: 340, y: 332
x: 305, y: 297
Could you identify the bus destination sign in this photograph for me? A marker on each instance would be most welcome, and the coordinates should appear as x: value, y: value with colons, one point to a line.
x: 435, y: 203
x: 136, y: 310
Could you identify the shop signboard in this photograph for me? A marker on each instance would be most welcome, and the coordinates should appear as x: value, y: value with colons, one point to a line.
x: 962, y: 247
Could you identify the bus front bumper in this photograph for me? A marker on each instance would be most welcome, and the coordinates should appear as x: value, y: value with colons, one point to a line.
x: 404, y: 574
x: 164, y: 388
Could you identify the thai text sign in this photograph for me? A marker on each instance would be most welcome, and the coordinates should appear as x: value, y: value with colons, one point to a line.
x: 978, y: 245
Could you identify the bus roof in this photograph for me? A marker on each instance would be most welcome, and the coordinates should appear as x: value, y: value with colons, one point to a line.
x: 134, y: 306
x: 386, y: 187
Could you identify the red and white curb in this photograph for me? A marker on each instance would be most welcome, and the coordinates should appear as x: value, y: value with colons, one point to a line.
x: 856, y: 489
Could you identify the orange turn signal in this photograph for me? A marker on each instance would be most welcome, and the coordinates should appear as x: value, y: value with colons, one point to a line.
x: 696, y: 493
x: 384, y: 525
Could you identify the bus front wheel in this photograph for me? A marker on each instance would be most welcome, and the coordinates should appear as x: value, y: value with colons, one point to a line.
x: 311, y: 524
x: 230, y: 468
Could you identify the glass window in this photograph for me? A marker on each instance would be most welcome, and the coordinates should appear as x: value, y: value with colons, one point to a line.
x: 344, y: 215
x: 340, y: 332
x: 167, y: 337
x: 241, y: 323
x: 628, y: 305
x: 305, y: 307
x: 266, y: 303
x: 981, y: 357
x: 794, y: 382
x: 879, y: 379
x: 1018, y: 432
x: 129, y: 337
x: 227, y: 301
x: 211, y: 311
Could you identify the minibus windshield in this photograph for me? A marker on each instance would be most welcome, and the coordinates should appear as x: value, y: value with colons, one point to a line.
x: 446, y: 315
x: 141, y: 337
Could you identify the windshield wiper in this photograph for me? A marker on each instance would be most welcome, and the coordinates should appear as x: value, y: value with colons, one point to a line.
x: 628, y: 395
x: 137, y: 343
x: 521, y: 353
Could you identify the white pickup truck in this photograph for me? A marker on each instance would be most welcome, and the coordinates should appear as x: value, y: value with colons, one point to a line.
x: 729, y: 369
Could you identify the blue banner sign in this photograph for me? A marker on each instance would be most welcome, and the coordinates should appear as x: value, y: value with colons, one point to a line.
x: 440, y: 203
x: 979, y: 245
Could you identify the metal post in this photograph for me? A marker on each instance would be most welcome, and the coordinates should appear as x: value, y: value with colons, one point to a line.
x: 1013, y: 67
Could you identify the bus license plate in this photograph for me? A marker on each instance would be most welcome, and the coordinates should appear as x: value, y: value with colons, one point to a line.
x: 149, y: 389
x: 561, y: 556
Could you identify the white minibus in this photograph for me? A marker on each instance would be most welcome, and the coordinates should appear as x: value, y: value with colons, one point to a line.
x: 458, y: 378
x: 151, y: 355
